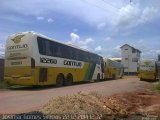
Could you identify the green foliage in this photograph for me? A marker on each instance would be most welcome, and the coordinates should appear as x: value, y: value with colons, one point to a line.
x: 3, y: 85
x: 156, y: 87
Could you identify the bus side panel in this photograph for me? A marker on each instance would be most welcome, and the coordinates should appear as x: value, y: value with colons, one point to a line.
x: 82, y: 74
x: 147, y: 70
x: 97, y: 70
x: 147, y: 75
x: 77, y: 73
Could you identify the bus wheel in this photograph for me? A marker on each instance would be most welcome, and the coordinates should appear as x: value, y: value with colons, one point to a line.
x: 69, y: 80
x: 141, y: 79
x: 60, y: 80
x: 98, y: 77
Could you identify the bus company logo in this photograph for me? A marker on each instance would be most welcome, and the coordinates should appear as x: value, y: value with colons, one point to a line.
x: 48, y: 60
x: 17, y: 39
x: 147, y: 62
x: 72, y: 63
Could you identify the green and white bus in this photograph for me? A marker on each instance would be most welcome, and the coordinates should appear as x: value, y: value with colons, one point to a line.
x: 34, y: 59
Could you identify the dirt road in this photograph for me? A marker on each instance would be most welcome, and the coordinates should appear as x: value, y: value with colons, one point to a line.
x: 29, y: 99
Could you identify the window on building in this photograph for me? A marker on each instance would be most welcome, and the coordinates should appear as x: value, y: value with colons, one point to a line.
x: 134, y: 59
x: 126, y: 68
x: 126, y: 58
x: 138, y: 54
x: 133, y: 50
x: 125, y: 49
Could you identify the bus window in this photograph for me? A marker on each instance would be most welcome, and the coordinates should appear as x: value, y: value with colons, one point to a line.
x: 48, y: 50
x: 41, y: 45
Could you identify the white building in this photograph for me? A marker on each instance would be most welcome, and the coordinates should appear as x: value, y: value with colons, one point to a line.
x: 130, y: 59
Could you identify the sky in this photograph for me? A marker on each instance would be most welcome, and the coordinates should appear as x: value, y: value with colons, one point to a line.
x: 100, y: 26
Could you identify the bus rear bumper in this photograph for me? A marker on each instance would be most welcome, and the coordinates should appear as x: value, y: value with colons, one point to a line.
x: 147, y: 77
x: 20, y: 81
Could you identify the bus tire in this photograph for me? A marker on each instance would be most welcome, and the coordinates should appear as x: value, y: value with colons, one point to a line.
x: 141, y: 79
x: 60, y: 80
x: 69, y: 80
x: 98, y: 77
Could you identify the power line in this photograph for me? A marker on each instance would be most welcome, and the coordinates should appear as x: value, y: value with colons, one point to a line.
x: 126, y: 10
x: 115, y: 7
x: 94, y: 5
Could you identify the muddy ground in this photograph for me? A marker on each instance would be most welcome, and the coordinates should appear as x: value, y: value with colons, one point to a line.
x: 142, y: 104
x: 130, y: 105
x: 138, y: 105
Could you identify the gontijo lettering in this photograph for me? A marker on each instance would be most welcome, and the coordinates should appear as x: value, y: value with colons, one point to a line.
x: 72, y: 63
x: 17, y: 47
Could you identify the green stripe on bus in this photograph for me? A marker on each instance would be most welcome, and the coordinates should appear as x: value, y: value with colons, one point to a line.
x: 90, y: 71
x: 87, y: 72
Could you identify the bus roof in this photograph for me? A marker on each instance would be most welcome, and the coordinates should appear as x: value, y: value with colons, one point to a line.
x: 147, y: 60
x: 113, y: 63
x: 40, y: 35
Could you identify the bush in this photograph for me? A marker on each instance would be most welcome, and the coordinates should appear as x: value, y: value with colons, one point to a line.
x: 3, y: 85
x: 156, y: 87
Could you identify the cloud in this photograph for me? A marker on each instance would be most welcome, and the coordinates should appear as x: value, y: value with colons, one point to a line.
x: 148, y: 51
x: 75, y: 30
x: 2, y: 49
x: 75, y: 40
x: 147, y: 14
x: 82, y: 9
x: 103, y: 15
x: 141, y: 41
x: 50, y: 20
x: 85, y: 47
x: 151, y: 53
x: 117, y: 48
x: 108, y: 39
x: 132, y: 15
x: 87, y: 41
x: 106, y: 18
x: 101, y: 26
x: 40, y: 18
x: 126, y: 33
x: 14, y: 18
x: 98, y: 49
x: 74, y: 37
x: 127, y: 16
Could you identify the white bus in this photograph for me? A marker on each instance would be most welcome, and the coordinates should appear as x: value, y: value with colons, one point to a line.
x: 34, y: 59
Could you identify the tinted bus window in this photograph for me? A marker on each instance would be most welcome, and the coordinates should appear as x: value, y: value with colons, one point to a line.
x: 51, y: 48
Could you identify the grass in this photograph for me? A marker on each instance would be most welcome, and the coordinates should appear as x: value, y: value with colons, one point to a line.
x: 3, y: 85
x: 156, y: 87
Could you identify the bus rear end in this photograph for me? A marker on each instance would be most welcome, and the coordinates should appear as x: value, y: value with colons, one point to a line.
x: 19, y: 65
x: 147, y: 70
x: 113, y: 69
